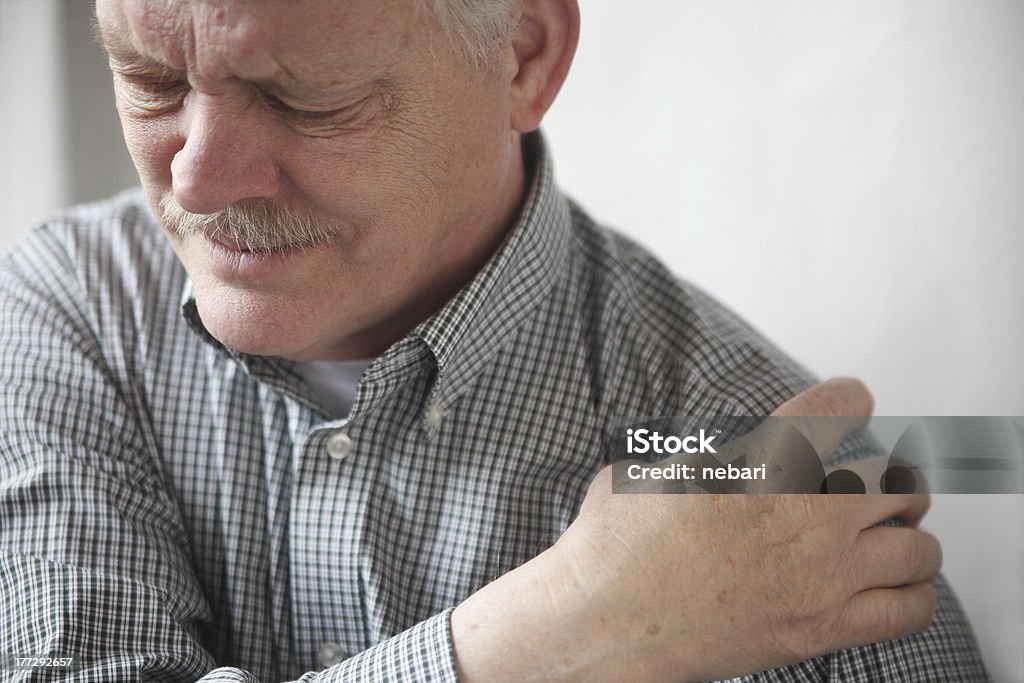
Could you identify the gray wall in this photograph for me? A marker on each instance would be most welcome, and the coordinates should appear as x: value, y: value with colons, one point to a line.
x: 99, y: 162
x: 61, y: 141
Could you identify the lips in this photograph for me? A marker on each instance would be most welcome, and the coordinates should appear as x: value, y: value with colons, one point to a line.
x: 234, y: 245
x: 232, y: 261
x: 227, y: 243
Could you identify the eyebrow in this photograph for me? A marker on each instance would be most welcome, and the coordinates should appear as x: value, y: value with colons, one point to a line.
x: 99, y: 36
x: 128, y: 60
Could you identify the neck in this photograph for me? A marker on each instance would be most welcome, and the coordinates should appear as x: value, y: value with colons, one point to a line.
x: 465, y: 251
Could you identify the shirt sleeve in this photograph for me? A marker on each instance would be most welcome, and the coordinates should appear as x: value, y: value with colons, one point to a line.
x: 95, y: 559
x: 945, y: 653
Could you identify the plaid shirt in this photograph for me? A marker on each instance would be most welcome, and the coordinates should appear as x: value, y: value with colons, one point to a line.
x: 172, y: 510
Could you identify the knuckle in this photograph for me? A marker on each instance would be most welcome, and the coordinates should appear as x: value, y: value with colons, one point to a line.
x: 891, y: 617
x: 912, y: 553
x: 858, y: 567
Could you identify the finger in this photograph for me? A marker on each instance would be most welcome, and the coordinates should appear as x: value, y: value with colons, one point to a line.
x: 871, y: 509
x: 826, y: 413
x: 875, y: 508
x: 888, y: 557
x: 836, y: 397
x: 885, y: 613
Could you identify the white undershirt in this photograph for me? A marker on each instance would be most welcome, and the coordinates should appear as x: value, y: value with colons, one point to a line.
x: 334, y: 383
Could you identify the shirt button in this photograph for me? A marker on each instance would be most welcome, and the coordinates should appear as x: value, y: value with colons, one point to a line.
x: 339, y: 445
x: 330, y: 654
x: 435, y: 415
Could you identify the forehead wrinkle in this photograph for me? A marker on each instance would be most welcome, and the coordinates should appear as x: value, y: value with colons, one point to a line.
x: 153, y: 28
x: 233, y: 41
x: 218, y: 43
x: 210, y: 41
x: 125, y: 59
x: 128, y: 32
x: 191, y: 36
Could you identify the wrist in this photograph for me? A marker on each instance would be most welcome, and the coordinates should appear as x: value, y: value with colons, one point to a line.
x: 530, y: 624
x: 550, y: 620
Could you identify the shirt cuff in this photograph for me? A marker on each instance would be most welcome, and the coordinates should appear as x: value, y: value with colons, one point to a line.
x: 421, y: 653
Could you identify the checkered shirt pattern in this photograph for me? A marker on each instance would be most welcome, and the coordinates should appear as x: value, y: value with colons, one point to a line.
x: 170, y: 509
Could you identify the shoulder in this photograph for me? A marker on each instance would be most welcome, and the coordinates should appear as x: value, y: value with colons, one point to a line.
x: 96, y: 263
x: 91, y: 241
x: 92, y: 293
x: 694, y: 355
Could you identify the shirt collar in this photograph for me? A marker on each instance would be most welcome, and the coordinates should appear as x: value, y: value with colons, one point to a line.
x: 462, y: 335
x: 466, y: 333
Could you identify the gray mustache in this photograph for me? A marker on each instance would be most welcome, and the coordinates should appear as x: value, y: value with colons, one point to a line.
x: 253, y: 225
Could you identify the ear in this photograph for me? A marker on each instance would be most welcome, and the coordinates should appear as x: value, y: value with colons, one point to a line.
x: 543, y: 45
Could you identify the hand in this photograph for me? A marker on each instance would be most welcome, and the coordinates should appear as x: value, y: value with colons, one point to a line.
x: 697, y: 587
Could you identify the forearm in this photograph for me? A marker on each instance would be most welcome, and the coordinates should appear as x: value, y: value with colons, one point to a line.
x: 532, y: 624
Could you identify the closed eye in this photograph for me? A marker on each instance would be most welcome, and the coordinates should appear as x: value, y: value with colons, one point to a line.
x: 350, y: 117
x: 157, y: 87
x: 305, y: 115
x: 154, y: 93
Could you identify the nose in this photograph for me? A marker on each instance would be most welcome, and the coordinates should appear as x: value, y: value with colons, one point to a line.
x: 227, y: 156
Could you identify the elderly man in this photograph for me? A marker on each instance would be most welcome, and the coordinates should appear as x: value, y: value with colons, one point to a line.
x: 319, y: 400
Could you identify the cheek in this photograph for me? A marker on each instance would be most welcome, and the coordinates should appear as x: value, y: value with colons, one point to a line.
x: 375, y: 182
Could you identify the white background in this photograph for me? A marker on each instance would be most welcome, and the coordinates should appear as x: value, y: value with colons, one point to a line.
x: 848, y: 175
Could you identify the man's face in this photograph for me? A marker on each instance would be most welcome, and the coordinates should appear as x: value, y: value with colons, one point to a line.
x: 369, y: 170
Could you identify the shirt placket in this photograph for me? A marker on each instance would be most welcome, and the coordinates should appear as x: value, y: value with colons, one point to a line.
x: 336, y: 466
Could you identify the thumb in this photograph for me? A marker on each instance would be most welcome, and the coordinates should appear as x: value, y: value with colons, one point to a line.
x: 826, y: 413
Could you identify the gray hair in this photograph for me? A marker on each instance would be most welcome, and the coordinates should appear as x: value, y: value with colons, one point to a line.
x: 477, y: 27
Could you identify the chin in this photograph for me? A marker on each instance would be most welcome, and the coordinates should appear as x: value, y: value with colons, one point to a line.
x: 258, y: 324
